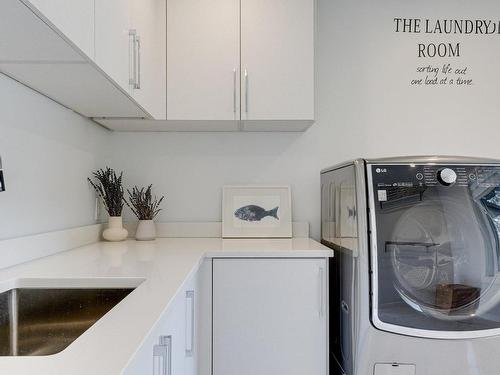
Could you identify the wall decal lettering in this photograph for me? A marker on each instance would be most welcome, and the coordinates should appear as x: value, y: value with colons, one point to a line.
x: 446, y: 74
x: 428, y: 26
x: 443, y: 73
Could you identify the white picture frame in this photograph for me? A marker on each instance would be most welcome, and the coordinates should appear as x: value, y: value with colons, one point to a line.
x: 256, y: 212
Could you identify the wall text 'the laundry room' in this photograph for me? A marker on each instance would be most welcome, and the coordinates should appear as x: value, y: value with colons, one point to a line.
x: 444, y: 26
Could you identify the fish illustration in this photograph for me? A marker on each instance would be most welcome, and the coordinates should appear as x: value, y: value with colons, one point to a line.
x: 255, y: 213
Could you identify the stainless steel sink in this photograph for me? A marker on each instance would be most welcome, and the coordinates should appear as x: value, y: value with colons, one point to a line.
x: 36, y: 322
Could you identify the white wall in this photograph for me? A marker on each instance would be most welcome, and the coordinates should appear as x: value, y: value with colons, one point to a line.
x: 47, y: 152
x: 365, y: 108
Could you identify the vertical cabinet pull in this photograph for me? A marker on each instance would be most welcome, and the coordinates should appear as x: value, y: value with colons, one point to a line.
x: 138, y: 82
x: 135, y: 80
x: 162, y: 356
x: 321, y: 291
x: 234, y: 91
x: 189, y: 323
x: 2, y: 182
x: 246, y: 91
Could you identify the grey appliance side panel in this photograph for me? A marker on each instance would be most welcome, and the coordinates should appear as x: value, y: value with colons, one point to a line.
x: 343, y: 191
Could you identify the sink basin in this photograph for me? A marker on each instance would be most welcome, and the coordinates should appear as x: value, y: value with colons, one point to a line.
x: 35, y: 322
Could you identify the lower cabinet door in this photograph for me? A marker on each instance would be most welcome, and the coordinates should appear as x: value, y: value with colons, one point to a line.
x: 163, y: 351
x: 269, y: 317
x: 180, y: 342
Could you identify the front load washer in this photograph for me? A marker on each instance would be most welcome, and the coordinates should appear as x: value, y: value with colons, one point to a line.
x: 414, y: 283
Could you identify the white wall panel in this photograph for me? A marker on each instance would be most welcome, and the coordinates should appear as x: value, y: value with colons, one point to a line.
x: 47, y: 153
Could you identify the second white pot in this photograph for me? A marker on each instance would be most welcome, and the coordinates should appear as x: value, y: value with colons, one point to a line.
x: 146, y: 230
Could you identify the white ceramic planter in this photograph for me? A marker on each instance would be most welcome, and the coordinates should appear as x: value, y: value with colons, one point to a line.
x: 146, y: 230
x: 115, y: 231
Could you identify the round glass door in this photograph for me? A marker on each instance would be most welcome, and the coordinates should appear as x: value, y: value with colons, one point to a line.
x: 437, y: 247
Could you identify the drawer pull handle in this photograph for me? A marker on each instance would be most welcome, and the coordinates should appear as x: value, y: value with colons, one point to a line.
x: 189, y: 322
x: 321, y: 291
x: 162, y: 356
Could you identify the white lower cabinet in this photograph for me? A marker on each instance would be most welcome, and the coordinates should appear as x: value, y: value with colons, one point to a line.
x: 243, y: 316
x: 179, y: 342
x: 162, y: 353
x: 269, y: 317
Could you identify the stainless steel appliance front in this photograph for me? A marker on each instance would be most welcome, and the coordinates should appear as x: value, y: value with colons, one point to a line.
x: 414, y: 281
x: 435, y: 248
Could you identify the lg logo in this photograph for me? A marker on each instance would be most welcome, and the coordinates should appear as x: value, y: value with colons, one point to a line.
x: 381, y: 170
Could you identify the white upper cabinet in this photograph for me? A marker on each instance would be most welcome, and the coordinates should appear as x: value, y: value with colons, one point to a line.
x: 130, y: 48
x: 277, y: 59
x: 113, y: 40
x: 35, y: 51
x: 75, y: 19
x: 240, y: 60
x: 196, y: 65
x: 148, y: 25
x: 74, y: 52
x: 203, y: 62
x: 27, y: 38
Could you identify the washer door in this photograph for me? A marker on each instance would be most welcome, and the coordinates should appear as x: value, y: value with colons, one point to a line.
x: 436, y: 249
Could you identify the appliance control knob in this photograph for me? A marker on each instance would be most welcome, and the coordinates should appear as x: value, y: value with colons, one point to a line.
x: 447, y: 176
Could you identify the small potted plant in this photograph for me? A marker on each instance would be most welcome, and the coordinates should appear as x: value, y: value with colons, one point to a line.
x: 108, y: 185
x: 146, y: 208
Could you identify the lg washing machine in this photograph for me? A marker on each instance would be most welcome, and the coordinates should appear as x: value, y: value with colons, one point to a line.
x: 414, y: 283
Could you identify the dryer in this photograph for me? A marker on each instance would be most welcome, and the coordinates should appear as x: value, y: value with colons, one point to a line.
x: 414, y: 283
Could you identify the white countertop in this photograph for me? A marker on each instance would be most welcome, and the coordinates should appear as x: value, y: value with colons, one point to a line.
x: 159, y: 268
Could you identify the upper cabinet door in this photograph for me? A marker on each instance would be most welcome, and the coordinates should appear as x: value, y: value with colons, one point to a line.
x: 148, y: 19
x: 112, y: 40
x: 75, y: 19
x: 203, y: 65
x: 277, y: 59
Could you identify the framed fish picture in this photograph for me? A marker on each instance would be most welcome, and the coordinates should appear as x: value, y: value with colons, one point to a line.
x: 256, y: 212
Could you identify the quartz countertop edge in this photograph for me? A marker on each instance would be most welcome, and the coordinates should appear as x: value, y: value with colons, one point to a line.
x: 159, y: 269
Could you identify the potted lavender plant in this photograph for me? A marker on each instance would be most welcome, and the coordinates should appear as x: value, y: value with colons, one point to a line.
x: 108, y: 186
x: 146, y: 208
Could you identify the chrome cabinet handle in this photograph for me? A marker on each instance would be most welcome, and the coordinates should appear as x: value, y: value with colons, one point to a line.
x: 133, y: 80
x: 189, y: 323
x: 2, y: 182
x: 162, y: 356
x: 234, y: 91
x: 246, y: 91
x: 138, y: 82
x: 321, y: 292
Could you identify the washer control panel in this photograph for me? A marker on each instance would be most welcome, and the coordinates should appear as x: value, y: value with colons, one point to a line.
x: 427, y: 175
